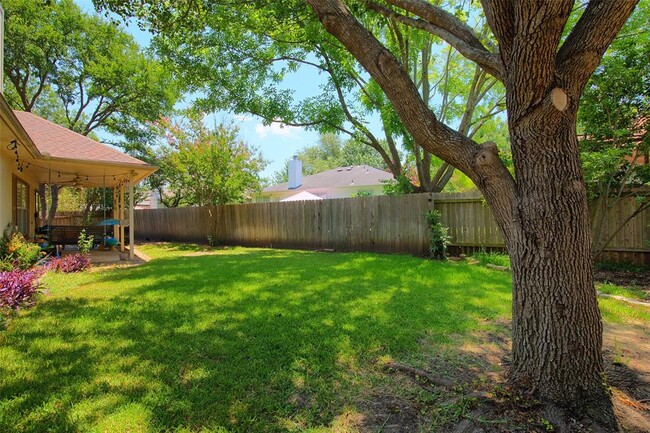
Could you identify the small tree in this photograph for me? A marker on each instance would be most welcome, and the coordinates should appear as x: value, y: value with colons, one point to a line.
x: 85, y: 242
x: 203, y: 166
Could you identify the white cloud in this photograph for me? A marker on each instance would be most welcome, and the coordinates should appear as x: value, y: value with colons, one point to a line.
x: 276, y: 128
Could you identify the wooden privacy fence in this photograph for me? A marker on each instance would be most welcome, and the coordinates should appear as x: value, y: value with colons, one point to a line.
x: 376, y: 224
x: 73, y: 218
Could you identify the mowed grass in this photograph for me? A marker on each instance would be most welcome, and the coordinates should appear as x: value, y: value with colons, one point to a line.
x: 237, y: 339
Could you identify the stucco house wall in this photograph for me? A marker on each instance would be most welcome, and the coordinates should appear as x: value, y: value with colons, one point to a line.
x: 10, y: 131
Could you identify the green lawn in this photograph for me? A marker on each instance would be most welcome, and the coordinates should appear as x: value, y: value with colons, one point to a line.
x: 239, y: 339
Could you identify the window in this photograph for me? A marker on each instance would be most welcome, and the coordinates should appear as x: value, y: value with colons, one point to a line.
x: 21, y: 206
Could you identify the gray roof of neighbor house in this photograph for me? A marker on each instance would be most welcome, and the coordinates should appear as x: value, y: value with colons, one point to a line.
x: 357, y: 175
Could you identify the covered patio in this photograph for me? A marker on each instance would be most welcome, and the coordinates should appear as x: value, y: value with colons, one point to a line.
x: 60, y: 156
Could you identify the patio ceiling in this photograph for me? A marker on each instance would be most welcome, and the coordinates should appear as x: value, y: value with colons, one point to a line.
x: 62, y: 156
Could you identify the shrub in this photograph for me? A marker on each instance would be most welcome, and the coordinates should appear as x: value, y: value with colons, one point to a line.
x: 18, y: 287
x: 85, y: 242
x: 17, y: 253
x: 401, y: 185
x: 69, y: 264
x: 438, y: 237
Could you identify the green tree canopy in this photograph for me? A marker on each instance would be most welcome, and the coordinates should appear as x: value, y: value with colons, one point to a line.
x: 238, y: 58
x: 614, y: 120
x: 203, y: 166
x: 81, y: 71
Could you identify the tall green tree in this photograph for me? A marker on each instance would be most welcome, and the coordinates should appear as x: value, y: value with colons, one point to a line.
x: 203, y: 166
x: 82, y: 72
x: 614, y: 118
x: 544, y: 61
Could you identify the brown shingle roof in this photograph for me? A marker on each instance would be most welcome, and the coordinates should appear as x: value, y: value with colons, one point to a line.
x: 362, y: 175
x: 60, y: 142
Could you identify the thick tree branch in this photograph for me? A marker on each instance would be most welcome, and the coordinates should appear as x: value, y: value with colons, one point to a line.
x: 538, y: 28
x: 41, y: 87
x: 480, y: 163
x: 589, y: 39
x: 474, y: 52
x: 500, y: 16
x: 442, y: 19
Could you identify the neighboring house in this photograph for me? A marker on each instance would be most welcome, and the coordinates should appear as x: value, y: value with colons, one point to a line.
x: 336, y: 183
x: 151, y: 200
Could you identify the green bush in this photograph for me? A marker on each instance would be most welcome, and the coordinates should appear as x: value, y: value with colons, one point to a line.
x: 400, y: 186
x: 438, y: 237
x: 361, y: 193
x: 85, y: 242
x: 17, y: 253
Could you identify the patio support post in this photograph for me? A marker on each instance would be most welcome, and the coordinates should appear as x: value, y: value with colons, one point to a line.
x: 122, y: 241
x: 115, y: 214
x: 131, y: 220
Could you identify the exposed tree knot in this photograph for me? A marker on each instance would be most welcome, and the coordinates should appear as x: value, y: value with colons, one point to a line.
x: 384, y: 61
x: 577, y: 185
x: 487, y: 154
x: 330, y: 21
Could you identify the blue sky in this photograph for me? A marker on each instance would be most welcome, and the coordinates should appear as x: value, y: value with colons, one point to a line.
x: 276, y: 142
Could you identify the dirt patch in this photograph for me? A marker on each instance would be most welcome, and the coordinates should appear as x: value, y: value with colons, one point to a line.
x: 480, y: 400
x: 640, y: 279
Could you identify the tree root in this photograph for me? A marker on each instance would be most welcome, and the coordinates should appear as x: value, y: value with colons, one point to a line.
x: 419, y: 375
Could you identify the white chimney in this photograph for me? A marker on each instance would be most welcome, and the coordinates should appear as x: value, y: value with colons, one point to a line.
x: 295, y: 172
x: 2, y: 48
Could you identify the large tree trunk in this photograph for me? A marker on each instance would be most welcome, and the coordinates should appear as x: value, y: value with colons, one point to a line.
x: 54, y: 202
x: 557, y: 331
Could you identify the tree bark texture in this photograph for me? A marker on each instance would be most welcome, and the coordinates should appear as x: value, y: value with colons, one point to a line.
x: 556, y: 323
x: 543, y: 214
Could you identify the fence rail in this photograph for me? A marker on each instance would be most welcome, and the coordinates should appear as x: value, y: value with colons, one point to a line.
x: 375, y: 224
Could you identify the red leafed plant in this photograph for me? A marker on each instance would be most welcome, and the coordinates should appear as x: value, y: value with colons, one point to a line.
x: 18, y: 287
x: 69, y: 264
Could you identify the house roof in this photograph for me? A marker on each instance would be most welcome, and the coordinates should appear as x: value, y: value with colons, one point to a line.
x: 60, y: 142
x: 358, y: 175
x: 61, y: 156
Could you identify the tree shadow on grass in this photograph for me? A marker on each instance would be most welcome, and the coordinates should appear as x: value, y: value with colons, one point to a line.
x: 258, y: 341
